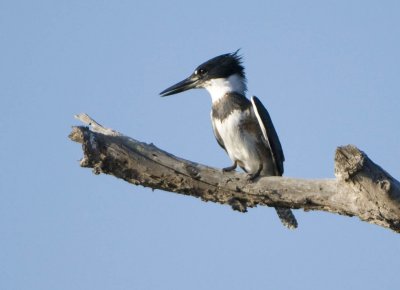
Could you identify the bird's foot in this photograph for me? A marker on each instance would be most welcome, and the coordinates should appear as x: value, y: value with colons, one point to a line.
x: 230, y: 168
x: 252, y: 176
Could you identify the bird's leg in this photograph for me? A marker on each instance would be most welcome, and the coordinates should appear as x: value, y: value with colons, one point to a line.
x: 230, y: 168
x: 252, y: 176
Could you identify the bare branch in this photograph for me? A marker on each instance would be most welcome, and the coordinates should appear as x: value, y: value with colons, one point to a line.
x: 361, y: 187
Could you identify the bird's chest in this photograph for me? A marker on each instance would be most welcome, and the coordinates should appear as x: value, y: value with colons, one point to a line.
x: 239, y: 134
x: 230, y: 128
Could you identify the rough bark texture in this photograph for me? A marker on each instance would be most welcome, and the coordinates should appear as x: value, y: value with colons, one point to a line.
x: 361, y: 187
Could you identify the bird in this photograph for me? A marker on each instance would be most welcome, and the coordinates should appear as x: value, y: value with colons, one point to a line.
x: 242, y: 126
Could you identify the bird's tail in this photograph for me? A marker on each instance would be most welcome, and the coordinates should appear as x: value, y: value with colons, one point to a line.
x: 287, y: 217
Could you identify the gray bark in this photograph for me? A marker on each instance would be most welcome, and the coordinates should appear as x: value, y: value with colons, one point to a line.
x: 361, y: 188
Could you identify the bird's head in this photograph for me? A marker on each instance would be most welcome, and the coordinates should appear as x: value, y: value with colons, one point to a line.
x: 218, y: 75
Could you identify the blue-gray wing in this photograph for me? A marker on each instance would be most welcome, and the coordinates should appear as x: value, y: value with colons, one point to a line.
x: 269, y: 133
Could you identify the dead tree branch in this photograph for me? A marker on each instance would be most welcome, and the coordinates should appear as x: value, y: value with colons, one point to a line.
x: 361, y: 187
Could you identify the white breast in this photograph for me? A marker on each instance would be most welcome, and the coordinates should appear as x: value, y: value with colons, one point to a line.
x: 240, y: 145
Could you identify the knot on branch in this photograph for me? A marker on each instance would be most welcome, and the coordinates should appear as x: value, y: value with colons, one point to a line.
x: 238, y: 204
x: 349, y: 160
x: 192, y: 171
x: 384, y: 185
x: 92, y: 156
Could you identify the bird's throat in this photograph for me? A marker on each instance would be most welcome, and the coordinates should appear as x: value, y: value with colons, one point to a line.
x: 218, y: 88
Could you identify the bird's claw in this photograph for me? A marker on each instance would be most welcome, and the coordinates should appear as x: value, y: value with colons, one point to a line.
x: 252, y: 177
x: 229, y: 168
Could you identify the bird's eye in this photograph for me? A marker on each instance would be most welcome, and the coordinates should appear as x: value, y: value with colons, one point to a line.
x: 200, y: 72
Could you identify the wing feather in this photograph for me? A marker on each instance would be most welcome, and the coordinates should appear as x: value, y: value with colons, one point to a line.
x: 269, y: 133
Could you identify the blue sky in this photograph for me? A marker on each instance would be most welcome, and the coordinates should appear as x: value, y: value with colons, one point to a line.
x: 328, y: 71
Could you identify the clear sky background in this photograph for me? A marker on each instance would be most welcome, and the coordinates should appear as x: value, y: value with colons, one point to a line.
x: 328, y: 71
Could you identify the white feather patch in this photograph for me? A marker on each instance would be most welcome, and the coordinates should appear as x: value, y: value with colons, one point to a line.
x: 260, y: 122
x: 240, y: 146
x: 219, y: 87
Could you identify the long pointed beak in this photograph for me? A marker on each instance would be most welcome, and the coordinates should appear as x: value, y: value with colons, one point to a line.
x: 186, y: 84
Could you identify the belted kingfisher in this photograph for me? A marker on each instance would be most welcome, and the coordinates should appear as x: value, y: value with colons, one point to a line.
x: 242, y: 127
